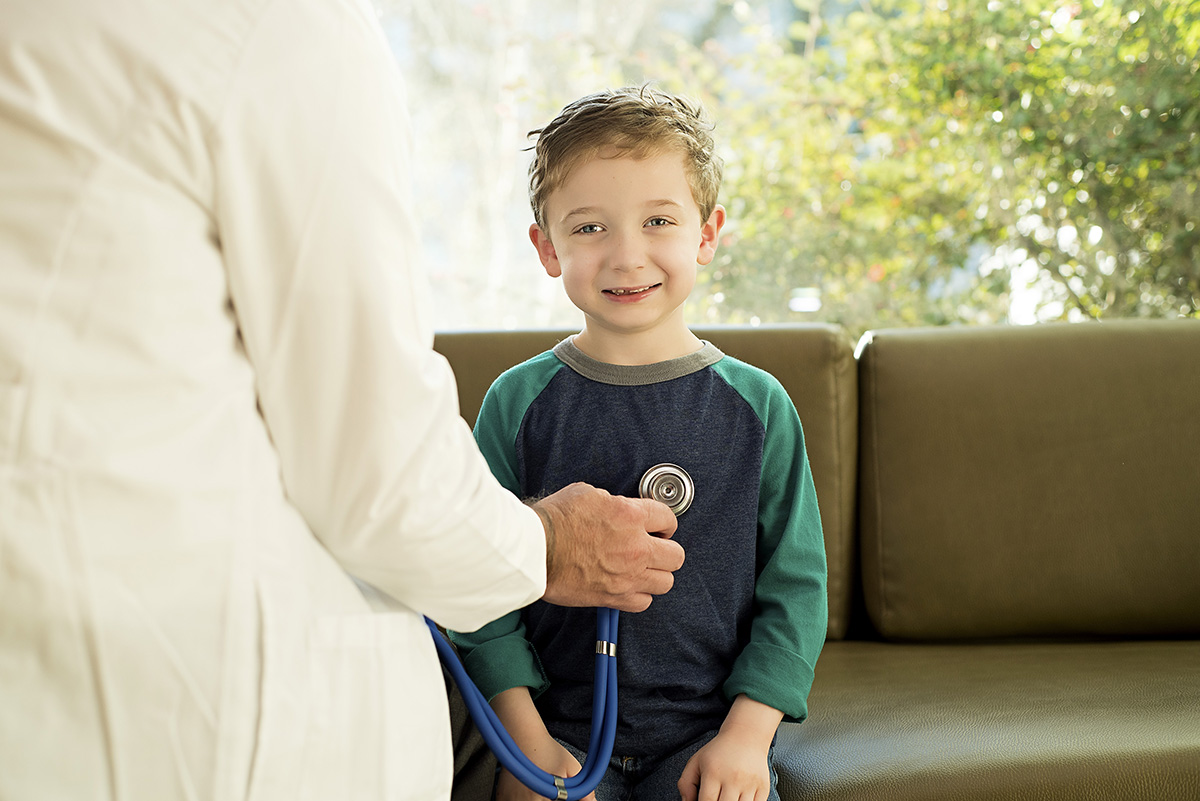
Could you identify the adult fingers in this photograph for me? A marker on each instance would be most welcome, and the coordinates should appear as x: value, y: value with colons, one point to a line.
x: 659, y: 519
x: 665, y: 555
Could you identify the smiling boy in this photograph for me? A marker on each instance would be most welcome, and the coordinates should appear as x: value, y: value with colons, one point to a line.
x: 629, y: 237
x: 623, y: 188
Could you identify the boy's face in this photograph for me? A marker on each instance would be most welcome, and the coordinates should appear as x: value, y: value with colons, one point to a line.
x: 626, y: 236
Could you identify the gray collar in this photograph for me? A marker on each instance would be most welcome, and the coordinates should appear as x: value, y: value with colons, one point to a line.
x: 635, y: 375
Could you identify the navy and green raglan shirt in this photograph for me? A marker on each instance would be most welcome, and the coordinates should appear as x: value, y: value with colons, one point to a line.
x: 748, y: 610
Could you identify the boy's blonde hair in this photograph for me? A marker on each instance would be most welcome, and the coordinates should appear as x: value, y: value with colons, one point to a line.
x: 631, y: 121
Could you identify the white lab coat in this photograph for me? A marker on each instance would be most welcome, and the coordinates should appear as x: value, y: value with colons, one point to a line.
x: 217, y: 397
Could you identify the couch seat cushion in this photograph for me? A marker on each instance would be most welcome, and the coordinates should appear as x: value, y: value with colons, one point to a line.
x: 1012, y: 722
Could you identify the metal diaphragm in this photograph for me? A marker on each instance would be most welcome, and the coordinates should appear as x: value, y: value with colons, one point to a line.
x: 669, y: 484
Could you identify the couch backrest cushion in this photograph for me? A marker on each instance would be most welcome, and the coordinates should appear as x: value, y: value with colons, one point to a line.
x: 1039, y: 481
x: 815, y: 364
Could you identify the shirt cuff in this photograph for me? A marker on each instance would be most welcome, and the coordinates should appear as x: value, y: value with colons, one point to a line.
x: 773, y: 676
x: 503, y: 663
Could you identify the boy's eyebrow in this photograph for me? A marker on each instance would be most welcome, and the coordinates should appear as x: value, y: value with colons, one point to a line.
x: 584, y: 211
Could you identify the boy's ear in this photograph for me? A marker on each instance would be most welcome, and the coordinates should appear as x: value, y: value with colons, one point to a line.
x: 545, y: 249
x: 710, y: 232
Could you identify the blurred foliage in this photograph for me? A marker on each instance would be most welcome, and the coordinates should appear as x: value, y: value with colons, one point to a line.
x: 929, y: 162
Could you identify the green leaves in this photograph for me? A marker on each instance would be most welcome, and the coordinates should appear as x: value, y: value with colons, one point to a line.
x: 925, y: 151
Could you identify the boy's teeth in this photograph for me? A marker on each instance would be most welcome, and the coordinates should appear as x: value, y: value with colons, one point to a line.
x: 627, y: 291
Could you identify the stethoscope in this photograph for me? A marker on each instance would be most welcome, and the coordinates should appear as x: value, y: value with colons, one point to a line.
x: 667, y: 483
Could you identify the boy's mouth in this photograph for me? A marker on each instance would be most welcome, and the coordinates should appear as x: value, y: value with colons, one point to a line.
x: 625, y: 292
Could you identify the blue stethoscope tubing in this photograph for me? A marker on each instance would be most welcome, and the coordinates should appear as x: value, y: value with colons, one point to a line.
x: 604, y: 718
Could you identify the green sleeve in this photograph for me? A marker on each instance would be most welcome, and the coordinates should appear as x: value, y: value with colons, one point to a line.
x: 498, y: 656
x: 791, y: 609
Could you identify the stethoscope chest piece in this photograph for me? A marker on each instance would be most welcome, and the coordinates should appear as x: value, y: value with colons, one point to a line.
x: 669, y: 484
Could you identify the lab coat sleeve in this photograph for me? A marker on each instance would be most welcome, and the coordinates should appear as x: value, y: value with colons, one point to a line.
x: 311, y: 180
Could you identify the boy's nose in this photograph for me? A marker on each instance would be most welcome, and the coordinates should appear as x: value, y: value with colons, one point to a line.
x: 627, y: 253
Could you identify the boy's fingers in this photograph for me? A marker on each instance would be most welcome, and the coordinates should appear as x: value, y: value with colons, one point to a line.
x: 689, y: 782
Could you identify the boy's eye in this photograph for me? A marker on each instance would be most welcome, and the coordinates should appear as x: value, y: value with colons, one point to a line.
x: 590, y: 228
x: 655, y: 222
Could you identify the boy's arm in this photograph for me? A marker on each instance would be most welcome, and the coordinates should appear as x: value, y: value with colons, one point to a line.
x: 752, y: 723
x: 790, y: 595
x: 499, y: 656
x: 772, y: 676
x: 521, y: 719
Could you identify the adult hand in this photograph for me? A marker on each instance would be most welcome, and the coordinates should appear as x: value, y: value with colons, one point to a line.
x: 601, y: 549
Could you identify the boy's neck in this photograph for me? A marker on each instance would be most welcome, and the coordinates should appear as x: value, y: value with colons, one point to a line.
x: 636, y: 348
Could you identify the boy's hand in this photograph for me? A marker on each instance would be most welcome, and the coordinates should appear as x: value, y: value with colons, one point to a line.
x: 549, y: 756
x: 726, y: 769
x: 517, y: 712
x: 733, y: 765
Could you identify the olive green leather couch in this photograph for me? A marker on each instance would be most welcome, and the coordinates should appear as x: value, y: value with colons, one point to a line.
x: 1012, y: 522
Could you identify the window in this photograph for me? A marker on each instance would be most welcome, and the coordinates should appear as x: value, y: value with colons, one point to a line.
x: 898, y: 162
